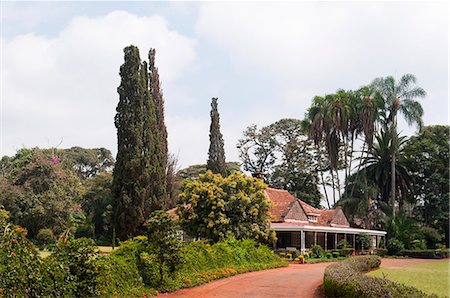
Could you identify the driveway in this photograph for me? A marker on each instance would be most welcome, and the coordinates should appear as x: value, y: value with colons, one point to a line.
x: 293, y: 281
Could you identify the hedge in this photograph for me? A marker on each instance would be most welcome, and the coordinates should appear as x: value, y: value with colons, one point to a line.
x: 345, y: 279
x: 426, y: 254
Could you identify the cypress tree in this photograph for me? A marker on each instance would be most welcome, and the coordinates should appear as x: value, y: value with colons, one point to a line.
x: 139, y: 183
x: 159, y: 179
x: 127, y: 192
x: 216, y: 153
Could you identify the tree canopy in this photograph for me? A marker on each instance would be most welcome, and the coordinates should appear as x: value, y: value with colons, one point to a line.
x: 216, y: 152
x: 213, y: 207
x: 282, y: 153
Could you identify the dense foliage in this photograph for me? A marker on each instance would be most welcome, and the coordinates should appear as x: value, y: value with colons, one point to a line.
x: 428, y: 156
x: 39, y: 192
x: 213, y: 207
x: 163, y: 242
x: 216, y: 152
x: 345, y: 279
x: 139, y: 184
x: 283, y: 155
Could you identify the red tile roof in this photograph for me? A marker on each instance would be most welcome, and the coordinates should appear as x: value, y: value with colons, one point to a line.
x: 283, y: 201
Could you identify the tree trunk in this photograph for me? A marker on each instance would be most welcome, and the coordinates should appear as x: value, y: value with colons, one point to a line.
x: 334, y: 187
x: 359, y: 168
x: 319, y: 161
x: 394, y: 152
x: 338, y: 184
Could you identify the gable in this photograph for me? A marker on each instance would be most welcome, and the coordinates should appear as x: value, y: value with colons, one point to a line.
x: 339, y: 218
x: 295, y: 213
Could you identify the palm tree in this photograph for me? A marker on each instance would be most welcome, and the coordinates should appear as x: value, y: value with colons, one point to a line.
x: 398, y: 96
x: 377, y: 168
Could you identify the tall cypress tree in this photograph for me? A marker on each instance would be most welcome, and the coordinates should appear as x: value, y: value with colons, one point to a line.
x: 127, y: 192
x: 139, y: 184
x: 159, y: 180
x: 216, y: 153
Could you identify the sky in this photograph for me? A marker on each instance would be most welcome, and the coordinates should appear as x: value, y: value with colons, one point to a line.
x: 264, y: 61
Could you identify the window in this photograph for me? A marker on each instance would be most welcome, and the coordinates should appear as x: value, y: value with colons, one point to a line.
x: 312, y: 218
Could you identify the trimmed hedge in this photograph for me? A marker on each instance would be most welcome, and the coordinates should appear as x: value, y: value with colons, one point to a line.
x: 345, y: 279
x: 426, y: 254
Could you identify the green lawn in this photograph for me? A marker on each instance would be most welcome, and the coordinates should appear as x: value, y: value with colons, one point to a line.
x: 431, y: 278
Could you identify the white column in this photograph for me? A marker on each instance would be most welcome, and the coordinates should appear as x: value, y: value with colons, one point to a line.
x: 326, y: 240
x: 302, y: 242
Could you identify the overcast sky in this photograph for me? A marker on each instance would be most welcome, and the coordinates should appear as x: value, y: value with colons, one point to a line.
x: 265, y: 61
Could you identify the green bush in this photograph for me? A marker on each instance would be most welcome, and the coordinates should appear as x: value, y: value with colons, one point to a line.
x: 342, y: 244
x: 394, y: 247
x: 317, y: 251
x: 346, y: 252
x: 45, y: 237
x: 74, y: 266
x: 345, y: 280
x: 364, y: 240
x: 329, y: 255
x: 335, y: 254
x: 426, y: 253
x: 419, y: 244
x: 431, y: 236
x: 381, y: 252
x: 20, y: 274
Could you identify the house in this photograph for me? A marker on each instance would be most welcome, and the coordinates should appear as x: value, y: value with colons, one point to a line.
x: 299, y: 225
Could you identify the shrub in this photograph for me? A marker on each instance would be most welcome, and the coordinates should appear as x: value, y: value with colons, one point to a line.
x: 164, y: 243
x: 20, y: 274
x: 345, y: 252
x: 394, y: 247
x: 345, y: 280
x: 431, y: 236
x: 342, y: 244
x: 317, y: 251
x: 336, y: 254
x: 426, y: 254
x: 72, y: 269
x: 295, y: 253
x: 381, y: 252
x: 45, y: 237
x: 329, y: 255
x: 418, y: 244
x: 364, y: 240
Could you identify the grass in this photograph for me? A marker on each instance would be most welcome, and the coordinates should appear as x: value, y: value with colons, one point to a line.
x: 104, y: 250
x: 431, y: 278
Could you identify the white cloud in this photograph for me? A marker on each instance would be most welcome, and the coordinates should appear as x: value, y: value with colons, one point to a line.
x: 315, y: 48
x: 65, y: 86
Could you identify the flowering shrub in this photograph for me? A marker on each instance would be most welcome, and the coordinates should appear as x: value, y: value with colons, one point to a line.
x: 345, y: 280
x: 19, y: 264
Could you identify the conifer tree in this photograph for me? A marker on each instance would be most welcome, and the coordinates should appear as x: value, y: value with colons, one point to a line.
x: 159, y: 179
x: 216, y: 153
x: 139, y: 184
x: 127, y: 192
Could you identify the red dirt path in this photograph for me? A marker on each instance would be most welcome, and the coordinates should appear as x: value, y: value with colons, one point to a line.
x: 293, y: 281
x: 303, y: 281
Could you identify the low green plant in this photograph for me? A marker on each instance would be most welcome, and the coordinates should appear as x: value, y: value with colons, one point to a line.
x: 381, y: 252
x: 342, y: 244
x: 335, y: 254
x: 394, y: 247
x: 346, y: 252
x: 345, y: 279
x: 44, y: 238
x: 20, y: 274
x: 317, y: 251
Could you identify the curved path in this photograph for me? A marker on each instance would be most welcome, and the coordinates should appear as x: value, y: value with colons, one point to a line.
x: 293, y: 281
